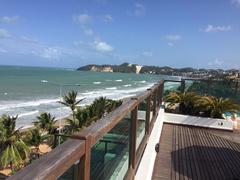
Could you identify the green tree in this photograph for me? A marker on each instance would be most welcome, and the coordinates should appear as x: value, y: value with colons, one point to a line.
x: 215, y: 107
x: 37, y: 138
x: 186, y: 101
x: 112, y: 104
x: 70, y: 100
x: 100, y: 106
x: 13, y: 150
x: 46, y: 122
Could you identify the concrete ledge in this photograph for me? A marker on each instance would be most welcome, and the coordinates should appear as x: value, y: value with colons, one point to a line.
x: 146, y: 165
x: 198, y: 121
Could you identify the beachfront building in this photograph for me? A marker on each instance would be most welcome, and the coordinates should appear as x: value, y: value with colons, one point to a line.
x: 139, y: 140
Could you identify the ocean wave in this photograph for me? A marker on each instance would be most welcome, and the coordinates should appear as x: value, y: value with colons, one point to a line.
x: 127, y: 85
x: 28, y: 113
x: 118, y: 80
x: 141, y: 82
x: 20, y: 104
x: 111, y: 88
x: 88, y: 93
x: 171, y: 85
x: 97, y: 82
x: 27, y: 118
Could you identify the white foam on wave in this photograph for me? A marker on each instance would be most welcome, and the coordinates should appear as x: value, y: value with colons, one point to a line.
x: 127, y: 85
x: 90, y: 96
x: 111, y: 88
x: 141, y: 82
x: 97, y: 82
x: 88, y: 93
x: 119, y: 80
x: 171, y: 85
x: 20, y: 104
x: 28, y: 113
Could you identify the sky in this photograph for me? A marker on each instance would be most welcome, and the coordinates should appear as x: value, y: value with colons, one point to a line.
x: 72, y: 33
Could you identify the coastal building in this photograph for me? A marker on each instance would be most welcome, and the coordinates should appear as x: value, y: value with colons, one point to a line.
x: 139, y: 140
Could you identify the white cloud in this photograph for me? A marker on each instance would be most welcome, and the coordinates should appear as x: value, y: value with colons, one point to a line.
x: 9, y: 19
x: 88, y: 32
x: 78, y: 43
x: 82, y: 18
x: 172, y: 37
x: 108, y: 18
x: 4, y: 33
x: 147, y: 53
x: 101, y: 46
x: 28, y: 39
x: 216, y: 62
x: 211, y: 28
x: 236, y: 2
x: 140, y: 10
x: 48, y: 53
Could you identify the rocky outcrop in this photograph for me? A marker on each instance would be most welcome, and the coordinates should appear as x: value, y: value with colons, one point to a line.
x: 101, y: 69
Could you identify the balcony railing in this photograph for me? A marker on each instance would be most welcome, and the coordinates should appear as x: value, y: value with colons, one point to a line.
x: 217, y: 88
x: 111, y: 148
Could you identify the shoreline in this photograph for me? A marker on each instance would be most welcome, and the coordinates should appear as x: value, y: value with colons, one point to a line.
x: 64, y: 119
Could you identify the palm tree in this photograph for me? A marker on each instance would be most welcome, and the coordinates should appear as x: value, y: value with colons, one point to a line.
x: 46, y: 122
x: 37, y: 138
x: 70, y: 100
x: 13, y: 150
x: 112, y: 105
x: 215, y: 107
x: 99, y: 106
x: 91, y: 113
x: 186, y: 100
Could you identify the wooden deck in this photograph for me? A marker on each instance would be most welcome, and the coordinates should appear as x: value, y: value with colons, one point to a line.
x: 196, y: 153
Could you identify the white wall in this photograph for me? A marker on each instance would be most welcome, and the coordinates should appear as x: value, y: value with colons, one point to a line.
x: 198, y: 121
x: 146, y: 165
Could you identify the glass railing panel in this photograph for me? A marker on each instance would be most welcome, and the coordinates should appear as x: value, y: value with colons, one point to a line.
x: 70, y: 174
x: 141, y: 122
x: 171, y: 86
x: 110, y: 155
x: 151, y: 107
x: 223, y: 89
x: 188, y: 84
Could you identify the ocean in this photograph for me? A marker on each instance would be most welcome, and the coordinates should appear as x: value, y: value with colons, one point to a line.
x: 27, y: 91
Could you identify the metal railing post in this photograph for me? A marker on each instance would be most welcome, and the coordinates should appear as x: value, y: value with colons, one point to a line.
x: 236, y: 88
x: 133, y: 137
x: 182, y: 85
x: 148, y: 114
x: 154, y: 102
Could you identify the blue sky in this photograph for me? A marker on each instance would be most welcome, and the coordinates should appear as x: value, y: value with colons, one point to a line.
x: 71, y: 33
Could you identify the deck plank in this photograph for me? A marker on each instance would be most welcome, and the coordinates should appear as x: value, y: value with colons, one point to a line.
x: 196, y: 153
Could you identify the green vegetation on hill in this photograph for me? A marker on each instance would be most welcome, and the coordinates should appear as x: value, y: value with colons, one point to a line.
x: 122, y: 68
x: 165, y: 70
x: 125, y: 68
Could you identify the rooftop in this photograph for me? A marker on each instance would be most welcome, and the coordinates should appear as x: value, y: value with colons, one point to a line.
x: 121, y: 145
x: 188, y: 152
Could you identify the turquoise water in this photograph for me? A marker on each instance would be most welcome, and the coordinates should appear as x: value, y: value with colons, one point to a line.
x: 23, y: 93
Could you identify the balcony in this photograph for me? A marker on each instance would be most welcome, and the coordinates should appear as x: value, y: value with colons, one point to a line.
x: 139, y: 140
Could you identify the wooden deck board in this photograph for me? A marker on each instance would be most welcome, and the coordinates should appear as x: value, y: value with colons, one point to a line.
x: 196, y: 153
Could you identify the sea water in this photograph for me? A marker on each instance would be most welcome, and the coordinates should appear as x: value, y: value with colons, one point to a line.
x: 27, y: 91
